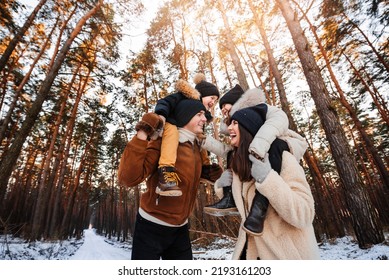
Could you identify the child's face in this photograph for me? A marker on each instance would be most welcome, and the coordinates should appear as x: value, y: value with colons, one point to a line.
x: 209, y: 101
x: 226, y: 108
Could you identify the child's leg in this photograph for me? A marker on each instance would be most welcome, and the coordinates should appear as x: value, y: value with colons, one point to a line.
x: 256, y: 217
x: 168, y: 178
x: 225, y: 206
x: 169, y: 146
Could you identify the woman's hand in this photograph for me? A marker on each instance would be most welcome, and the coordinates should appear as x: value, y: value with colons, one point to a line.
x: 225, y: 179
x: 260, y: 168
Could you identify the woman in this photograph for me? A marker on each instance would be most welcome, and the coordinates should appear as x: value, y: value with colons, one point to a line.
x: 288, y: 231
x: 265, y: 141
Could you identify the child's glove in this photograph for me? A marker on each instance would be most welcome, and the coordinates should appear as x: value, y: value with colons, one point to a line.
x: 151, y: 124
x: 260, y: 168
x: 225, y: 179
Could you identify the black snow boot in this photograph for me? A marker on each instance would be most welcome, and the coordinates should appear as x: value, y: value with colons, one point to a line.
x: 225, y: 206
x: 256, y: 218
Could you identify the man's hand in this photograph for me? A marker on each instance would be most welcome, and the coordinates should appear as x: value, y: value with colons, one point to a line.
x: 151, y: 124
x: 260, y: 168
x: 211, y: 172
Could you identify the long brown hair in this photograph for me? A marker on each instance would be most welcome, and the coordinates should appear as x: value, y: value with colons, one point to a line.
x: 240, y: 162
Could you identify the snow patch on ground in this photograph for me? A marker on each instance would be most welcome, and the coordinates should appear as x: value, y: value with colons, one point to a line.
x: 97, y: 247
x: 346, y: 248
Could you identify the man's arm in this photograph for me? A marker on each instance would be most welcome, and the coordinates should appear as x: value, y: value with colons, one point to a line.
x: 138, y: 161
x: 140, y: 155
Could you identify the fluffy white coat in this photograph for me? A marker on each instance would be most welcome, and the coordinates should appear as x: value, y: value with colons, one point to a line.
x: 288, y: 231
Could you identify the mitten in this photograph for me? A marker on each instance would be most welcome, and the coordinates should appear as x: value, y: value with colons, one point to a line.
x: 151, y: 124
x: 225, y: 179
x: 223, y: 129
x: 215, y: 172
x: 260, y: 168
x: 211, y: 172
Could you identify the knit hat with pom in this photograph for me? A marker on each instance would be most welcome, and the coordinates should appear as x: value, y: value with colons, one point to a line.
x: 205, y: 88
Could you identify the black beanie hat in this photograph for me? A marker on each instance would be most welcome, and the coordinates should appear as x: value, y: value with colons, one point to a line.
x: 231, y: 96
x: 251, y: 118
x: 205, y: 88
x: 186, y: 109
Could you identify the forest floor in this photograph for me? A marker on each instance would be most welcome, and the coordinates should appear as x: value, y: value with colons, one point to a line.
x: 97, y: 247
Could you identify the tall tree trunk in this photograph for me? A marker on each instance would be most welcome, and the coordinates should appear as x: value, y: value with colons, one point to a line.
x: 60, y: 165
x: 273, y: 65
x: 63, y: 152
x: 381, y: 59
x: 365, y: 221
x: 309, y: 159
x: 13, y: 153
x: 44, y: 190
x: 383, y: 172
x: 380, y: 105
x: 66, y: 221
x: 231, y: 48
x: 19, y: 35
x: 19, y: 89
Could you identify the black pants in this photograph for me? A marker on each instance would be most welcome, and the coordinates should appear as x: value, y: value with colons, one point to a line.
x: 275, y: 154
x: 152, y: 241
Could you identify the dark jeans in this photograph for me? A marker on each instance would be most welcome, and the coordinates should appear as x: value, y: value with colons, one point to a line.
x: 152, y: 241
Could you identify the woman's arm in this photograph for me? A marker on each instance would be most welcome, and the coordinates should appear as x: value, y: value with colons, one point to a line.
x: 217, y: 147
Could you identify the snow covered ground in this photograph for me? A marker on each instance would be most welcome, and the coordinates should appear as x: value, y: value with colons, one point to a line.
x: 96, y: 257
x: 96, y: 247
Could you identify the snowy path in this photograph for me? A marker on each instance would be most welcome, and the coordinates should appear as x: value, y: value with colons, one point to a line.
x: 95, y: 248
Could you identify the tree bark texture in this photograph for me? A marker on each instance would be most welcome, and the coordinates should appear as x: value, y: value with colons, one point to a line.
x: 231, y: 48
x: 15, y: 40
x: 366, y: 225
x: 13, y: 153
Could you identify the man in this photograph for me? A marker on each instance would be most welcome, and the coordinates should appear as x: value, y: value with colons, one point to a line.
x: 161, y: 227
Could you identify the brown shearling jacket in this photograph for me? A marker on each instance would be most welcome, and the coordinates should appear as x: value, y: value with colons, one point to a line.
x: 139, y: 162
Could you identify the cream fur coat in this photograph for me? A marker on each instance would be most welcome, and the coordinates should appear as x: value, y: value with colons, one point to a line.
x: 288, y: 231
